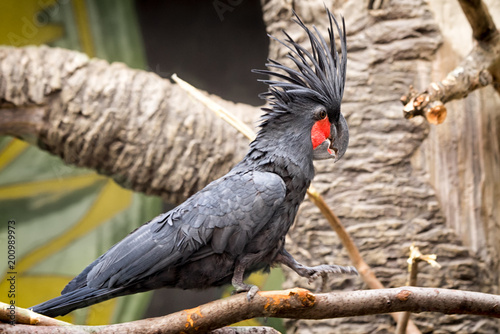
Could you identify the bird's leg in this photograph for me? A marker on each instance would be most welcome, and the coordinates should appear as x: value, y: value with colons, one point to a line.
x: 241, y: 286
x: 312, y: 272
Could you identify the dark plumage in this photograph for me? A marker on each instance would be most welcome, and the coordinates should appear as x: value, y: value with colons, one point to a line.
x: 236, y: 224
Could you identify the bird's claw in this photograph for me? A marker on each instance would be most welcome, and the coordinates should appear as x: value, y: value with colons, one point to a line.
x: 251, y: 290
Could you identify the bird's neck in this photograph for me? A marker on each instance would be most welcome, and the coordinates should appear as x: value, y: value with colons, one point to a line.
x: 288, y: 155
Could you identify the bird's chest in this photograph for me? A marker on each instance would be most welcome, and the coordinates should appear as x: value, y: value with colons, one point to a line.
x: 271, y: 238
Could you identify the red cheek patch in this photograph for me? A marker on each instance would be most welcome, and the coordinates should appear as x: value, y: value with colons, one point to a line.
x: 320, y: 132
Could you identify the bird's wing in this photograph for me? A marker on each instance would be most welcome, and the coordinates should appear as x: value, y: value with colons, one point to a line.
x: 222, y: 217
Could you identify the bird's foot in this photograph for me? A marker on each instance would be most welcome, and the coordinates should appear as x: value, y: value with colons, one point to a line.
x: 313, y: 273
x: 250, y: 289
x: 240, y: 286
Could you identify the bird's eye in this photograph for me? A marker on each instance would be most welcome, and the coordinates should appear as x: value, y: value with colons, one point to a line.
x: 321, y: 114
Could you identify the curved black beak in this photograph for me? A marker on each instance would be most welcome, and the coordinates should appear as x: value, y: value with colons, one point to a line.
x: 335, y: 146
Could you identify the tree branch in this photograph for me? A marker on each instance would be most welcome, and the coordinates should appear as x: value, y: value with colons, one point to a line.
x: 480, y: 20
x: 132, y: 125
x: 21, y: 121
x: 9, y: 313
x: 297, y: 304
x: 479, y: 69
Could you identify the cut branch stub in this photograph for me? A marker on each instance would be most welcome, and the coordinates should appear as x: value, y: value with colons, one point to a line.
x: 457, y: 85
x: 480, y: 68
x: 416, y: 104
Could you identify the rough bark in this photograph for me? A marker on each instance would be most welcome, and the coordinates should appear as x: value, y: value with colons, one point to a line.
x: 385, y: 202
x: 462, y: 155
x: 297, y: 303
x: 143, y: 131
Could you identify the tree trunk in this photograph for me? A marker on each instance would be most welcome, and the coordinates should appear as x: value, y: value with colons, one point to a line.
x: 467, y: 176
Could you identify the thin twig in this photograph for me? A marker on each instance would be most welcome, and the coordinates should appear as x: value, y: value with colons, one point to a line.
x: 415, y: 257
x: 217, y: 109
x: 9, y: 313
x: 363, y: 268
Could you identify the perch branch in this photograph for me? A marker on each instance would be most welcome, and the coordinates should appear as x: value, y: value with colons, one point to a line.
x: 296, y: 304
x: 479, y: 69
x: 9, y: 313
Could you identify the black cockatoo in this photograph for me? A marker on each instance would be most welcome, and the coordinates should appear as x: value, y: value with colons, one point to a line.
x: 237, y: 224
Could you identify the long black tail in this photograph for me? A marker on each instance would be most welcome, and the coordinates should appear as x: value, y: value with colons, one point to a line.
x: 73, y: 300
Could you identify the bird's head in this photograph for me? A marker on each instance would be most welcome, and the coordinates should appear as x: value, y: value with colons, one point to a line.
x: 310, y: 94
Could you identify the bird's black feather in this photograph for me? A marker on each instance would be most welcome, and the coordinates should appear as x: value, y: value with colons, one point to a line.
x: 320, y: 74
